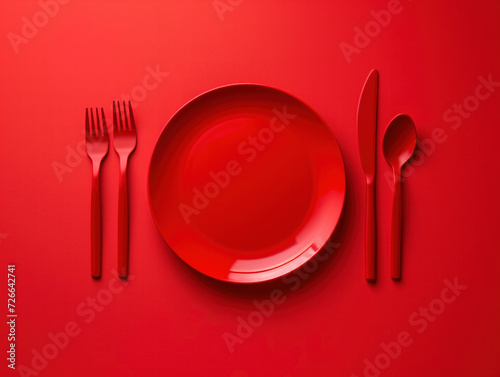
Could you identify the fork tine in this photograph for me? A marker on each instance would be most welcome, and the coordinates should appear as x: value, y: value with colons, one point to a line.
x: 87, y: 126
x: 104, y: 125
x: 125, y: 116
x: 115, y: 121
x: 98, y: 124
x: 131, y: 116
x: 92, y: 127
x: 120, y: 128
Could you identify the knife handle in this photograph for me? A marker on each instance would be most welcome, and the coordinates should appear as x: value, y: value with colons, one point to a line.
x: 370, y: 245
x: 396, y: 230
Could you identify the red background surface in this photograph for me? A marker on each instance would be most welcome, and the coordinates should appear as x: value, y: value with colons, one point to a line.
x: 170, y: 320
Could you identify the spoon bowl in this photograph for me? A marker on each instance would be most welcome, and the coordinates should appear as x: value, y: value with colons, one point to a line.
x: 399, y: 141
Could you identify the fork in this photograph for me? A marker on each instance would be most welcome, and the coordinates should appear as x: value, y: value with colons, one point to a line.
x: 96, y: 144
x: 124, y: 142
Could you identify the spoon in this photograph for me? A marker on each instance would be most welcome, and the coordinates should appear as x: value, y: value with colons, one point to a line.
x: 399, y: 144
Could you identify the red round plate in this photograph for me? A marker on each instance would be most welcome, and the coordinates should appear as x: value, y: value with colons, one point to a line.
x: 246, y: 183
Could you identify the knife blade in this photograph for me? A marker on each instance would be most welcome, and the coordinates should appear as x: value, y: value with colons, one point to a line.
x: 367, y: 140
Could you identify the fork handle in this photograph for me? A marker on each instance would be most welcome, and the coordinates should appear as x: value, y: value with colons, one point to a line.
x: 123, y: 220
x: 95, y: 224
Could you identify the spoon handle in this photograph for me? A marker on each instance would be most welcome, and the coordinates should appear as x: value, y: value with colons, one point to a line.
x: 396, y: 229
x: 370, y: 248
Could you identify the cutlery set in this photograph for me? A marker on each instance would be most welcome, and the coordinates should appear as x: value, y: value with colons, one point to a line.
x: 97, y: 145
x: 398, y: 146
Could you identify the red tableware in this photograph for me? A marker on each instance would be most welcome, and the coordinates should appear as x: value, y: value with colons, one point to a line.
x: 124, y: 142
x: 399, y: 144
x: 96, y: 144
x: 246, y: 183
x: 367, y: 139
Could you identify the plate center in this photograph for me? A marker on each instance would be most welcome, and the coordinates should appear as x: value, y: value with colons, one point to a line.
x: 228, y: 158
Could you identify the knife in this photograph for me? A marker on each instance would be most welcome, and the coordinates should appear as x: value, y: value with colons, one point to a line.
x: 367, y: 132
